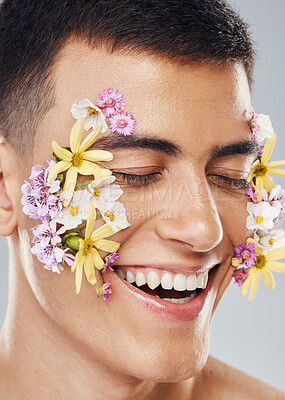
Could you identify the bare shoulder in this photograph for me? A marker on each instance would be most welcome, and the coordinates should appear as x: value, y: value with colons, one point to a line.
x: 225, y: 382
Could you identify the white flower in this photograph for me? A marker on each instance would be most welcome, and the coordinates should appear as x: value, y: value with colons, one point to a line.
x: 261, y: 215
x: 72, y: 215
x: 115, y: 216
x: 103, y: 191
x: 92, y: 114
x: 265, y: 130
x: 270, y: 240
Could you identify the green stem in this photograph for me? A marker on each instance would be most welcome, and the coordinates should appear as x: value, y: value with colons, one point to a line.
x: 82, y: 184
x: 74, y: 232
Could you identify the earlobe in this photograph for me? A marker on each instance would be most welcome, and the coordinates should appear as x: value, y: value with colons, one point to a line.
x: 8, y: 215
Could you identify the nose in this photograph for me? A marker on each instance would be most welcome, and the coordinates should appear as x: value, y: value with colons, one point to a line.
x: 192, y: 218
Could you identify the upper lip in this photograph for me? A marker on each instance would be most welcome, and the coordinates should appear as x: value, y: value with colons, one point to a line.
x: 175, y: 268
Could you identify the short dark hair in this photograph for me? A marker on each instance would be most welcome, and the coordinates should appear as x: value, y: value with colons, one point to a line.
x: 32, y: 32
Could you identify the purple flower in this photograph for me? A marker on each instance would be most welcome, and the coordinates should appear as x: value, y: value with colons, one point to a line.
x: 250, y: 192
x: 246, y: 252
x: 104, y: 291
x: 122, y: 123
x: 240, y: 275
x: 252, y: 122
x: 112, y: 100
x: 111, y: 259
x: 40, y: 199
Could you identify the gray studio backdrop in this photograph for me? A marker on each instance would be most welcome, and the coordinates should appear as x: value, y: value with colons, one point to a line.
x: 247, y: 336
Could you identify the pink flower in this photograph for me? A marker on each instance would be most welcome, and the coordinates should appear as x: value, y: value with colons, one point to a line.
x: 104, y: 291
x: 240, y: 275
x: 276, y: 198
x: 111, y: 259
x: 246, y: 252
x: 260, y: 151
x: 252, y: 122
x: 250, y: 192
x: 122, y: 123
x: 112, y: 100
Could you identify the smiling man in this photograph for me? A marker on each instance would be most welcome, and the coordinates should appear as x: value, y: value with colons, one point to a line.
x: 184, y: 68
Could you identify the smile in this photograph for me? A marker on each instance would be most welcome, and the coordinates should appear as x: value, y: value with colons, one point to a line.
x: 175, y: 295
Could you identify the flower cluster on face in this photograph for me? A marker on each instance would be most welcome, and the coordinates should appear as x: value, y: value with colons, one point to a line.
x: 66, y: 207
x: 266, y: 210
x: 112, y: 103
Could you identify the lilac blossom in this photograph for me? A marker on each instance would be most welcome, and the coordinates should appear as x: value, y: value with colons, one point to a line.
x: 240, y: 275
x: 246, y: 252
x: 111, y: 259
x: 104, y: 291
x: 276, y: 198
x: 251, y: 194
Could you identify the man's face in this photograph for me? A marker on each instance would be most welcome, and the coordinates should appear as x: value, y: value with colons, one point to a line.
x: 186, y: 213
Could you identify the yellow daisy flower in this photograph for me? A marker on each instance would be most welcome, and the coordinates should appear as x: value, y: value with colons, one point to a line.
x: 260, y: 169
x: 78, y: 160
x: 88, y: 257
x: 265, y: 264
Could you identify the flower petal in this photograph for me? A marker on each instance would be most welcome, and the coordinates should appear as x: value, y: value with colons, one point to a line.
x: 102, y: 232
x: 277, y: 172
x: 62, y: 153
x: 89, y: 168
x: 268, y: 183
x: 97, y: 155
x: 276, y: 254
x: 69, y: 185
x: 97, y: 260
x: 90, y: 139
x: 59, y: 167
x: 89, y: 269
x: 78, y: 275
x: 107, y: 245
x: 275, y: 164
x: 76, y: 261
x: 91, y: 218
x: 268, y: 278
x: 246, y: 284
x: 254, y: 285
x: 258, y: 187
x: 276, y: 266
x: 268, y: 149
x: 76, y: 135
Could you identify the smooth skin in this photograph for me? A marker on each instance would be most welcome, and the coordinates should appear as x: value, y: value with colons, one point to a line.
x: 59, y: 345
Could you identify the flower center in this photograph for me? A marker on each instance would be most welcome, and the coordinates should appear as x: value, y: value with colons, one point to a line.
x: 87, y: 246
x: 110, y: 102
x: 110, y: 215
x: 123, y: 123
x: 245, y: 254
x: 259, y: 220
x: 92, y: 111
x: 260, y: 262
x: 260, y: 170
x: 73, y: 211
x: 96, y: 192
x: 271, y: 241
x: 77, y: 160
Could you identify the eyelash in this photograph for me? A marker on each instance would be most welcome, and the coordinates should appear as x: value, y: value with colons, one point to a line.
x: 144, y: 180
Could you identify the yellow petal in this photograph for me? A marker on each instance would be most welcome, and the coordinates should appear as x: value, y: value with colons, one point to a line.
x: 89, y: 269
x: 268, y: 183
x: 90, y: 139
x: 268, y: 149
x: 102, y: 232
x: 78, y: 275
x: 70, y: 182
x: 62, y: 153
x: 76, y: 135
x: 91, y: 218
x: 59, y: 167
x: 97, y: 260
x: 275, y: 164
x: 254, y: 284
x: 97, y: 155
x: 258, y: 187
x: 246, y: 284
x: 277, y: 266
x: 277, y: 172
x: 107, y: 245
x: 268, y: 278
x: 89, y: 168
x: 76, y: 261
x: 276, y: 254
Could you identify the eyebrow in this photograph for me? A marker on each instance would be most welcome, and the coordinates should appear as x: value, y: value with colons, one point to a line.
x: 242, y: 147
x: 133, y: 142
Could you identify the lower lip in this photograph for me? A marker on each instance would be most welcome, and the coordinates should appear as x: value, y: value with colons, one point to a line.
x: 183, y: 312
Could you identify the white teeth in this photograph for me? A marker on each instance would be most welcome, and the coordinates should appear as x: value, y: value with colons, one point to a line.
x: 180, y: 282
x: 206, y: 276
x: 120, y: 273
x: 200, y: 280
x: 153, y: 280
x: 191, y: 282
x: 166, y: 281
x: 140, y: 279
x: 130, y: 277
x: 181, y: 301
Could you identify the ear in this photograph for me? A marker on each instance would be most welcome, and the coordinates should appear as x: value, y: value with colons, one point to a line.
x: 9, y: 188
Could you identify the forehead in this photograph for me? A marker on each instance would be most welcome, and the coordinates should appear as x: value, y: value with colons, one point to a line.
x: 186, y: 102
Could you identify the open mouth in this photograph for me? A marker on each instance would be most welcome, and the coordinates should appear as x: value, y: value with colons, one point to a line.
x: 168, y: 286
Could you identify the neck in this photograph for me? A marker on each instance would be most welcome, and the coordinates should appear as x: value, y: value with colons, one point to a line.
x: 39, y: 359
